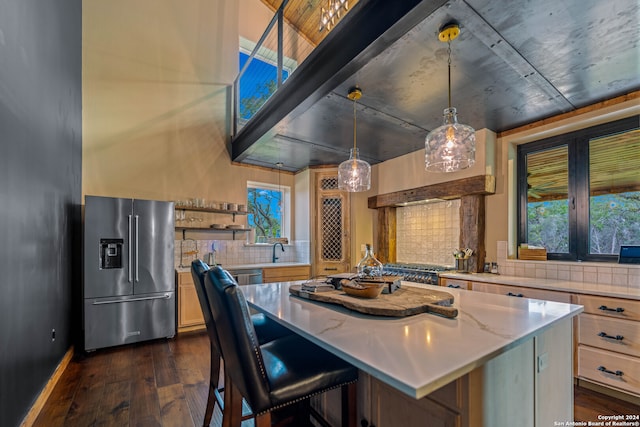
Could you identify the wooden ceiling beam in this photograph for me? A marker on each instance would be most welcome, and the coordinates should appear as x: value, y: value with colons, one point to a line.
x: 475, y: 185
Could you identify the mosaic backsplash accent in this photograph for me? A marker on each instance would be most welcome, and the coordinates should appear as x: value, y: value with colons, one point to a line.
x: 428, y: 233
x: 237, y: 252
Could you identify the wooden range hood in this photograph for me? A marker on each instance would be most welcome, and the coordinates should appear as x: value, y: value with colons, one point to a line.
x: 470, y: 191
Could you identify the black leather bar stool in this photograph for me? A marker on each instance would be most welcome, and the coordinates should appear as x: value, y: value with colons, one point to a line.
x: 275, y: 374
x: 266, y: 330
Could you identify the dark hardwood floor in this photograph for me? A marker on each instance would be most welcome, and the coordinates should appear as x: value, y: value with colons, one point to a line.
x: 165, y: 383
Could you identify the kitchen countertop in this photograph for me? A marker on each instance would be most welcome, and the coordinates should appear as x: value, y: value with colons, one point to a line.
x: 250, y: 266
x: 550, y: 284
x: 416, y: 354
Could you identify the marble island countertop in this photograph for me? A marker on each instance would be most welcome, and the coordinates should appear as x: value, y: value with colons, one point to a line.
x: 251, y: 266
x: 630, y: 292
x: 416, y: 354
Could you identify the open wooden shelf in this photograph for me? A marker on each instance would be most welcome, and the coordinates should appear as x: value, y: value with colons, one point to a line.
x: 216, y: 230
x: 210, y: 210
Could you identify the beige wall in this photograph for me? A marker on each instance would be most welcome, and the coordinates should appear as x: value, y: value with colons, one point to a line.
x: 408, y: 171
x: 156, y: 81
x: 363, y: 223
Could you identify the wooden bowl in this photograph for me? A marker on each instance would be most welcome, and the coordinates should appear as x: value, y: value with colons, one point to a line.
x: 363, y: 289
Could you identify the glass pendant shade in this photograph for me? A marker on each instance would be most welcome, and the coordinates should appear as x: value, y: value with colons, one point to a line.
x: 354, y: 175
x: 450, y: 147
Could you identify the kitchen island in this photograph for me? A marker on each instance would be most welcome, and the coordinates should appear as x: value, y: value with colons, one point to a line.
x: 490, y: 366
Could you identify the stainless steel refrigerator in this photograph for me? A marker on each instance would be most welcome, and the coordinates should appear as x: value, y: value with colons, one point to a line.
x: 129, y: 285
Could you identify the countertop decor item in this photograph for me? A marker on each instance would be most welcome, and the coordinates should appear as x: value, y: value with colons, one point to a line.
x: 452, y: 146
x: 461, y: 257
x: 369, y: 266
x: 354, y: 175
x: 363, y: 289
x: 406, y: 301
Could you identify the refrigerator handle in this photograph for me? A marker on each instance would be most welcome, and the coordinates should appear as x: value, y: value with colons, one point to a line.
x: 137, y: 223
x: 130, y: 252
x: 166, y: 295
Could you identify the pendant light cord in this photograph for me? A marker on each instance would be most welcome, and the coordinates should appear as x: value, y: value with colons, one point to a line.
x: 354, y: 127
x: 449, y: 65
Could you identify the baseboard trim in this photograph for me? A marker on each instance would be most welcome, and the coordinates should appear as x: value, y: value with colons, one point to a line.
x: 193, y: 328
x: 37, y: 406
x: 618, y: 394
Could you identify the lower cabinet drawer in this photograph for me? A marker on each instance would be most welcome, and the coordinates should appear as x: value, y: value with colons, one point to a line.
x: 614, y: 307
x: 285, y: 274
x: 605, y: 367
x: 455, y: 283
x: 516, y: 291
x: 621, y: 336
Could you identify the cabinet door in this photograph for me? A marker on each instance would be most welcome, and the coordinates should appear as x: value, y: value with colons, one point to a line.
x: 189, y: 310
x: 332, y: 247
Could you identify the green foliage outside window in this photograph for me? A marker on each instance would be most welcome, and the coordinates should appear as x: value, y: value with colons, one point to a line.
x: 615, y: 221
x: 548, y: 223
x: 265, y: 213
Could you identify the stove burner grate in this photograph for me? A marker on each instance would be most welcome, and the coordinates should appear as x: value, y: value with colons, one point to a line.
x: 420, y: 273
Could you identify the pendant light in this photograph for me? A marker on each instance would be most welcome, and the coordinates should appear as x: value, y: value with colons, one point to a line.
x: 452, y: 146
x: 354, y: 175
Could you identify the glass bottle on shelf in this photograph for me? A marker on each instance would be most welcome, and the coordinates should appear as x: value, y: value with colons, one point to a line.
x: 369, y: 266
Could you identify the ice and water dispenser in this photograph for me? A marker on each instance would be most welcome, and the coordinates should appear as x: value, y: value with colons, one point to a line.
x: 111, y: 253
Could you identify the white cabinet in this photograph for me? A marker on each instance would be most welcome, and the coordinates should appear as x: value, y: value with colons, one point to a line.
x: 518, y: 387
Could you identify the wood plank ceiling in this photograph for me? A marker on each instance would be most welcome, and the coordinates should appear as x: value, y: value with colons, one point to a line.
x: 304, y: 16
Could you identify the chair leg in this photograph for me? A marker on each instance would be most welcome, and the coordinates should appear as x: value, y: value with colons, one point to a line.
x: 263, y: 420
x: 214, y: 376
x: 232, y: 413
x: 349, y: 405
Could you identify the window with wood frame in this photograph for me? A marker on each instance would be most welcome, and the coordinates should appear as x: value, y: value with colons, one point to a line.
x: 579, y: 193
x: 269, y: 211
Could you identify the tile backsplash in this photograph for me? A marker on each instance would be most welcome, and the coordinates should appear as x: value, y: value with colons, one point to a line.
x: 428, y: 233
x: 617, y: 275
x: 238, y: 252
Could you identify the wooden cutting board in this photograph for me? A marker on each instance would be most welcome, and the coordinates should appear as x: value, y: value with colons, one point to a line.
x: 405, y: 301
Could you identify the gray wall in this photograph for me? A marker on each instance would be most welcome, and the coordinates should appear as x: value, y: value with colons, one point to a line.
x: 40, y: 193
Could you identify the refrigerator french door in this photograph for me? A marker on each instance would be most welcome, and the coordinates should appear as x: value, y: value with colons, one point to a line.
x: 129, y: 286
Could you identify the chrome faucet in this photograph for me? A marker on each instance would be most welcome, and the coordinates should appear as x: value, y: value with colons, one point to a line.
x: 274, y: 258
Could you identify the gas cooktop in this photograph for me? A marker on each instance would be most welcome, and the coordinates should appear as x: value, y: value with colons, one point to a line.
x: 421, y: 273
